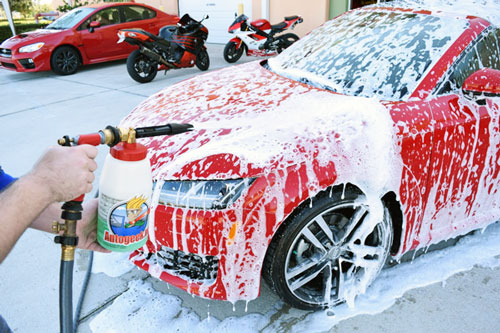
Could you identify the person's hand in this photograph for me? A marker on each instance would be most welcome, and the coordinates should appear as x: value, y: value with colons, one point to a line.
x: 86, y: 229
x: 65, y: 172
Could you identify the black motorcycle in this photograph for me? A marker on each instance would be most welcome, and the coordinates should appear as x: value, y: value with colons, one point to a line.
x: 176, y: 46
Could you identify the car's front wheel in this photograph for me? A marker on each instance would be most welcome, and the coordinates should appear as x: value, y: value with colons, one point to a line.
x: 65, y: 60
x: 328, y: 252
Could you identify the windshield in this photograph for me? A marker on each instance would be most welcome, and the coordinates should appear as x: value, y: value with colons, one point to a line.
x: 70, y: 19
x: 370, y: 53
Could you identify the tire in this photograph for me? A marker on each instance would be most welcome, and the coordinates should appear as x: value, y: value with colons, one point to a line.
x: 231, y: 54
x: 286, y: 40
x: 65, y: 60
x: 141, y: 68
x: 310, y: 262
x: 202, y: 60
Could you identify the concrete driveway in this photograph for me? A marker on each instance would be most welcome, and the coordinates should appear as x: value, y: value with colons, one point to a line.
x: 38, y: 108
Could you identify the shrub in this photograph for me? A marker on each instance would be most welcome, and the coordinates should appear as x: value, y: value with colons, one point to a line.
x: 21, y: 26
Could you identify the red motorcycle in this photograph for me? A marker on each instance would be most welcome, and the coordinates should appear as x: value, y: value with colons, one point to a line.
x: 175, y: 47
x: 259, y: 37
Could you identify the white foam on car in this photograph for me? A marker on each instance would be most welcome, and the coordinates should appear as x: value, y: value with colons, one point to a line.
x: 358, y: 132
x: 487, y: 9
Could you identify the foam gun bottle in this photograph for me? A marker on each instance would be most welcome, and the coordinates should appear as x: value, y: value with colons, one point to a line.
x: 125, y: 189
x: 124, y: 198
x: 125, y: 186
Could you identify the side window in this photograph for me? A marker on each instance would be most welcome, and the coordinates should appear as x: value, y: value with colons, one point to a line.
x: 136, y: 13
x: 488, y: 51
x: 106, y: 16
x: 485, y: 54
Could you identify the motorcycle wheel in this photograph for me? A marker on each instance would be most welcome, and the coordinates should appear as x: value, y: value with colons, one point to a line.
x: 202, y: 60
x: 141, y: 68
x: 286, y: 40
x: 231, y: 54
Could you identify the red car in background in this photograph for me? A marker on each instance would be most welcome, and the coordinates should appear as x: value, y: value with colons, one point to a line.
x: 85, y: 35
x: 375, y: 134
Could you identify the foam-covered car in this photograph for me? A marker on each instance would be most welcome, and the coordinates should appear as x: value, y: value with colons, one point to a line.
x: 375, y: 134
x: 84, y: 35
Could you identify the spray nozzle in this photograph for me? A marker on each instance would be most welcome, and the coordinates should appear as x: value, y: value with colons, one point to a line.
x: 169, y: 129
x: 113, y: 135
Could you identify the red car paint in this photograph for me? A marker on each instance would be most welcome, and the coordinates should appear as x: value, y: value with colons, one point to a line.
x: 93, y: 47
x: 484, y: 81
x: 449, y: 147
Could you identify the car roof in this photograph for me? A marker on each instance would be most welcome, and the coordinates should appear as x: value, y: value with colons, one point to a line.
x: 113, y: 4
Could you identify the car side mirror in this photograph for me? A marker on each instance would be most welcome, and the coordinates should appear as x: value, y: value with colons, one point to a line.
x: 482, y: 83
x: 93, y: 25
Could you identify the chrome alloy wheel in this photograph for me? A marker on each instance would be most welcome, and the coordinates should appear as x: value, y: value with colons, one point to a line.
x: 337, y: 254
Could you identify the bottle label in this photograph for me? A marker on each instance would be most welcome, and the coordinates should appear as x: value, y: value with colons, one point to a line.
x: 122, y: 224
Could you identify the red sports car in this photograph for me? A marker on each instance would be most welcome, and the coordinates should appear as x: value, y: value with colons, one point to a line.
x: 376, y: 134
x: 85, y: 35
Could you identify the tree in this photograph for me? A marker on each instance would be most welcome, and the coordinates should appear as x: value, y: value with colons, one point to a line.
x: 22, y: 6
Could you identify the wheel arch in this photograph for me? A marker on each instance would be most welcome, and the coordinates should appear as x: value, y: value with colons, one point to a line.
x: 389, y: 200
x: 308, y: 202
x: 239, y: 42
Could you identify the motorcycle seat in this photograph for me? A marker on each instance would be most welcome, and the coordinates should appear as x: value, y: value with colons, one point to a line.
x: 150, y: 35
x: 279, y: 26
x: 144, y: 32
x: 289, y: 18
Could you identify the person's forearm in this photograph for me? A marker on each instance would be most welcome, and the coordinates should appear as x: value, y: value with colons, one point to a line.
x: 20, y: 204
x: 44, y: 221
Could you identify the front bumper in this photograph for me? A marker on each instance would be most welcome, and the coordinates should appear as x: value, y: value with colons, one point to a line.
x: 212, y: 254
x: 24, y: 62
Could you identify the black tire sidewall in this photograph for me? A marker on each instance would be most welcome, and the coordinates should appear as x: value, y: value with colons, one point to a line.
x: 131, y: 60
x: 54, y: 56
x: 202, y: 54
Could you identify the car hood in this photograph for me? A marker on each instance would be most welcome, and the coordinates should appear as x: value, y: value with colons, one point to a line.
x: 29, y: 37
x: 249, y: 121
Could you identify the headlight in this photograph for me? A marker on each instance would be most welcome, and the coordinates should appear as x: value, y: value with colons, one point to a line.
x: 31, y: 47
x: 203, y: 194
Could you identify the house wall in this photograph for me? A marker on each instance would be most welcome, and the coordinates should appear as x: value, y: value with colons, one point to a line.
x: 168, y: 6
x: 314, y: 13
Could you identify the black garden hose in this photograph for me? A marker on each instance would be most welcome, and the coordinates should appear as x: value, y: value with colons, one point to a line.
x: 86, y: 280
x: 66, y: 296
x: 68, y: 324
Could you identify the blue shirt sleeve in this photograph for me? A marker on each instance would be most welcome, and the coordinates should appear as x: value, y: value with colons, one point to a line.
x: 5, y: 179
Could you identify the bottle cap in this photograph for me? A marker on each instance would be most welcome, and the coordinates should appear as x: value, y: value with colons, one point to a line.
x: 125, y: 151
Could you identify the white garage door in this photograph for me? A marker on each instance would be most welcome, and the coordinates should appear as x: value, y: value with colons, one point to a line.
x: 221, y: 14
